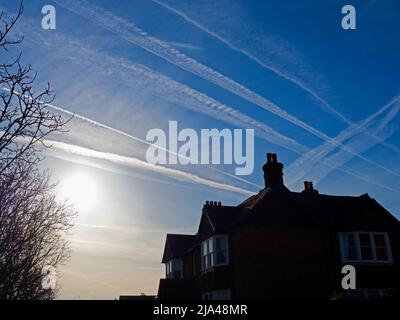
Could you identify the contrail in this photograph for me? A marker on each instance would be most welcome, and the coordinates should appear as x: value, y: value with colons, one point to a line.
x: 345, y: 169
x: 309, y: 157
x: 255, y: 59
x: 171, y: 90
x: 134, y: 34
x: 140, y: 164
x: 130, y: 136
x: 326, y: 106
x: 178, y: 93
x: 326, y: 162
x: 304, y: 164
x: 130, y: 32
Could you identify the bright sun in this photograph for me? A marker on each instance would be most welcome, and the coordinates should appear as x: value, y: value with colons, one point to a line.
x: 80, y: 190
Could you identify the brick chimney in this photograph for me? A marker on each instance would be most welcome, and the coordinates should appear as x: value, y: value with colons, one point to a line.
x: 309, y: 188
x: 273, y: 171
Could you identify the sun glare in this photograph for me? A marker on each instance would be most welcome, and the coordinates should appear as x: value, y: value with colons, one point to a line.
x: 80, y: 190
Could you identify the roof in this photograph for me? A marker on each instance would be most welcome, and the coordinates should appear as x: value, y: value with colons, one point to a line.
x: 278, y: 206
x: 176, y: 245
x: 341, y: 212
x: 225, y: 217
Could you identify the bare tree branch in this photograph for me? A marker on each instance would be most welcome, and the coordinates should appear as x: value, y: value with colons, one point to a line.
x: 33, y: 224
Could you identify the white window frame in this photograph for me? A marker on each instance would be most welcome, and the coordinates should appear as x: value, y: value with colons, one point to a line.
x: 172, y: 266
x: 359, y: 259
x: 209, y: 260
x: 217, y: 295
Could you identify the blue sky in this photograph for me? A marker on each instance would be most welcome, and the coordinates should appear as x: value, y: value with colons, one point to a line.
x: 323, y: 98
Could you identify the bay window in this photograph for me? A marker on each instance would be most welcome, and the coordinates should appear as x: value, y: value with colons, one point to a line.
x: 214, y: 252
x: 173, y: 269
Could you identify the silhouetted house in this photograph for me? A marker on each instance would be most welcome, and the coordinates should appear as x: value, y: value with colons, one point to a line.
x: 280, y: 244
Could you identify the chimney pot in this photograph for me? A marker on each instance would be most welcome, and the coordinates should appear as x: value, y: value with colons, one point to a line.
x: 308, y: 185
x: 273, y: 171
x: 309, y: 188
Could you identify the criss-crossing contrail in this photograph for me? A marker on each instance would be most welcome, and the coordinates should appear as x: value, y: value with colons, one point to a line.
x: 130, y: 32
x: 169, y: 89
x: 325, y: 105
x: 285, y: 75
x: 303, y: 166
x: 327, y: 163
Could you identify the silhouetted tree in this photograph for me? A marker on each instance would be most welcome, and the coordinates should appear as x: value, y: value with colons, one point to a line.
x: 33, y: 224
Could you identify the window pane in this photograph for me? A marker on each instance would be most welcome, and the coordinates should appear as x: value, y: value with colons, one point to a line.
x: 379, y: 240
x: 210, y: 245
x: 366, y: 253
x: 220, y: 243
x: 348, y: 240
x: 205, y: 248
x: 365, y: 240
x: 381, y: 254
x: 221, y: 257
x: 350, y: 253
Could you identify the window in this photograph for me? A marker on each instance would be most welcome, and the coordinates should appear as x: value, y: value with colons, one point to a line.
x: 217, y: 295
x: 173, y: 269
x: 368, y: 247
x: 214, y: 252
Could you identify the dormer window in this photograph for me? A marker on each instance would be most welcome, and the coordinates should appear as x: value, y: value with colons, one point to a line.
x: 214, y: 252
x: 365, y: 247
x: 173, y: 269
